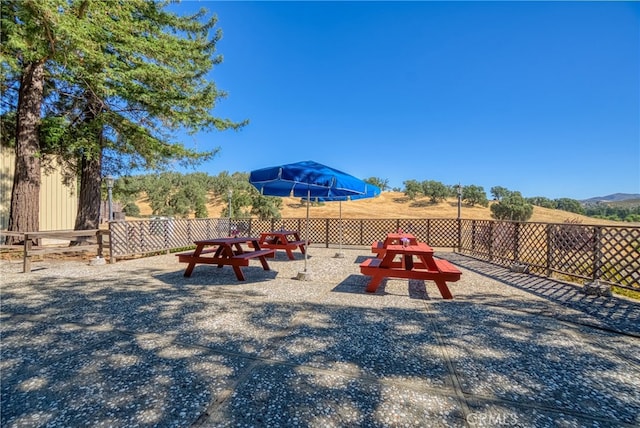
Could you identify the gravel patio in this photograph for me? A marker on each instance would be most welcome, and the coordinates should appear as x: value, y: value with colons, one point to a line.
x: 136, y: 344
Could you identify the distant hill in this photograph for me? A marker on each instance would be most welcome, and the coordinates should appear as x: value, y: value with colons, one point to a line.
x: 395, y: 205
x: 616, y: 197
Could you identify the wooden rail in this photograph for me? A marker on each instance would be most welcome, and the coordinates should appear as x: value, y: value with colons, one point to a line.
x: 78, y: 236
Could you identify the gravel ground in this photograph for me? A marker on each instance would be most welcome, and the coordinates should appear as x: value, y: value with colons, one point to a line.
x: 136, y: 344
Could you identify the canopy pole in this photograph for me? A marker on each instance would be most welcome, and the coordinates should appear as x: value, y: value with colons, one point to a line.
x: 306, y: 233
x: 340, y: 254
x: 304, y: 276
x: 340, y: 209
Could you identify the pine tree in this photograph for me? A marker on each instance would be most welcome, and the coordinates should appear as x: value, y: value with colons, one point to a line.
x: 24, y: 50
x: 125, y: 76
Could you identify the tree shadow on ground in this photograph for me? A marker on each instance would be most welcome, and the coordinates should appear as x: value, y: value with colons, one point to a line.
x: 157, y: 349
x: 422, y: 203
x: 617, y: 314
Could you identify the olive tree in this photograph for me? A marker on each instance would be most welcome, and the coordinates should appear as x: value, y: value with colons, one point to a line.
x: 512, y: 206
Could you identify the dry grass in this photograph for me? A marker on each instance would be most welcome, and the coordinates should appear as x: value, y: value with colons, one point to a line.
x: 396, y: 205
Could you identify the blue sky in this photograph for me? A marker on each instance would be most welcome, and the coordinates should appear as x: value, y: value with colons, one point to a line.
x: 538, y: 97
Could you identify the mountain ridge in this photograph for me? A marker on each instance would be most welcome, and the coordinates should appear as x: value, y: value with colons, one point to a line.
x: 614, y: 197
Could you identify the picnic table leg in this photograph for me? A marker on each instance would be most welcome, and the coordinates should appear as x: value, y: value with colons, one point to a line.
x: 290, y: 254
x: 408, y: 262
x: 238, y: 272
x: 192, y: 264
x: 263, y: 260
x: 374, y: 283
x: 189, y: 269
x: 444, y: 290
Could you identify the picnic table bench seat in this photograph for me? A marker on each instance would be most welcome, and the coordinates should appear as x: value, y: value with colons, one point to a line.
x: 291, y: 244
x: 378, y: 247
x: 191, y: 253
x: 287, y: 240
x: 445, y: 266
x: 240, y: 259
x: 445, y: 272
x: 254, y: 254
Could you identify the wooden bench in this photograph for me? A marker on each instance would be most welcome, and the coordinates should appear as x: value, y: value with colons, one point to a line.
x: 253, y: 254
x: 235, y: 261
x: 293, y: 244
x: 288, y: 247
x: 241, y: 259
x: 446, y: 272
x: 369, y: 263
x: 191, y: 253
x: 84, y: 240
x: 378, y: 248
x: 444, y: 266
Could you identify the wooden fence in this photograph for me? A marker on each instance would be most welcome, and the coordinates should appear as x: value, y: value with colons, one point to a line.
x: 573, y: 252
x: 577, y: 253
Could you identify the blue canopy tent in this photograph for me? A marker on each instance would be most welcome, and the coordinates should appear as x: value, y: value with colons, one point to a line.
x: 371, y: 192
x: 307, y: 180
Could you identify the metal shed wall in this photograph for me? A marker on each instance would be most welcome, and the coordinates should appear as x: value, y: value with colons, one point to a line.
x: 58, y: 203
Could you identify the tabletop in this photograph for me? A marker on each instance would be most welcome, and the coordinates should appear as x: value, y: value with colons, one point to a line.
x: 393, y: 238
x: 227, y: 241
x: 280, y: 232
x: 380, y: 247
x: 420, y: 248
x: 396, y: 235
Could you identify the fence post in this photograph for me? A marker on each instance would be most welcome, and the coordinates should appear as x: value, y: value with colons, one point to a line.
x: 99, y: 241
x: 597, y: 256
x: 516, y: 243
x: 459, y: 221
x: 26, y: 257
x: 549, y: 249
x: 326, y: 233
x: 473, y: 236
x: 491, y: 241
x: 166, y: 235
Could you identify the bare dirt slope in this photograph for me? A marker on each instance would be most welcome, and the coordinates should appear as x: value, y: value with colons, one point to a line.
x: 396, y: 205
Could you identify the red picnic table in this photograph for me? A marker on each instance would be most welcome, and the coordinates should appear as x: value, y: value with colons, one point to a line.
x: 287, y: 240
x: 226, y: 251
x: 398, y: 262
